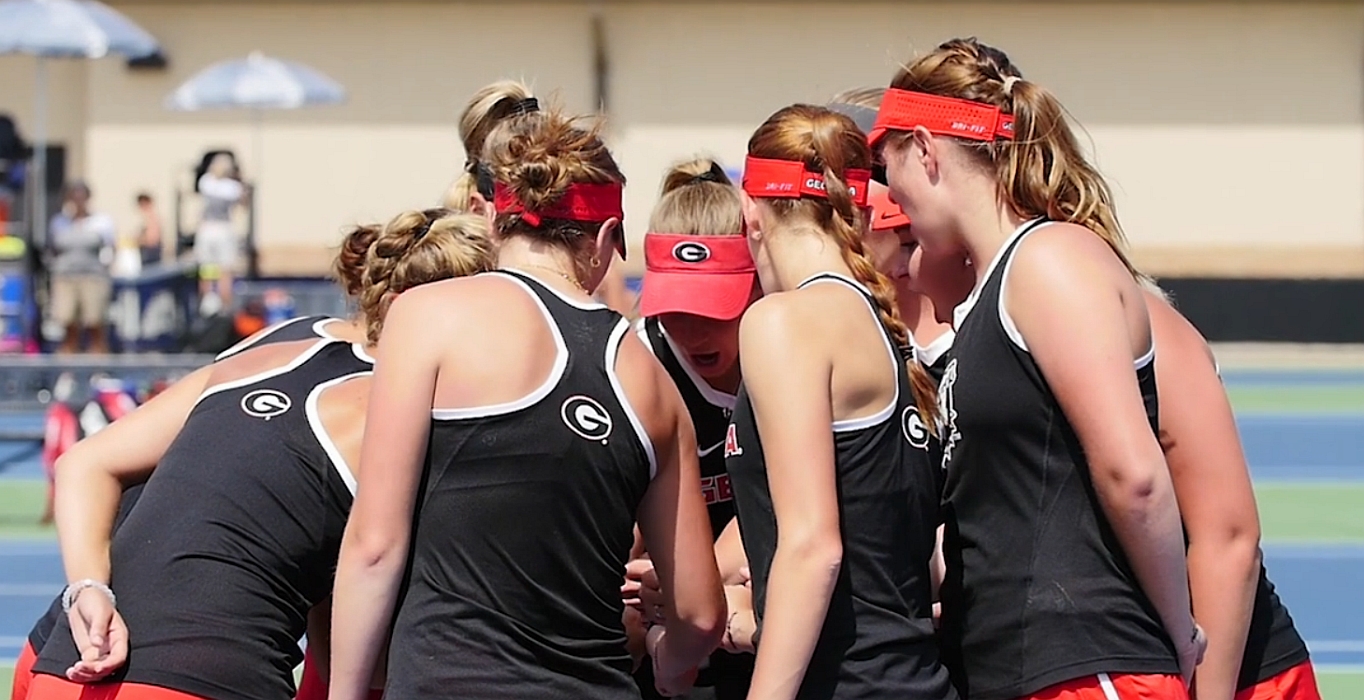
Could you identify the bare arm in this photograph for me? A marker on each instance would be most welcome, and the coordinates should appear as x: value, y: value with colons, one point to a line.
x: 789, y: 385
x: 91, y: 477
x: 730, y: 554
x: 374, y: 548
x: 1070, y: 297
x: 676, y: 529
x: 1216, y: 499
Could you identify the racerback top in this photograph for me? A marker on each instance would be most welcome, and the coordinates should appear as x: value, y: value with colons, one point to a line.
x: 710, y: 410
x: 877, y: 640
x: 283, y: 332
x: 1038, y: 589
x: 234, y: 537
x: 525, y: 520
x: 301, y: 328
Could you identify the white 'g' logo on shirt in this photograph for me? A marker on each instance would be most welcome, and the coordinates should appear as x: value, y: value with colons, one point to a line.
x: 585, y: 416
x: 266, y: 403
x: 913, y: 426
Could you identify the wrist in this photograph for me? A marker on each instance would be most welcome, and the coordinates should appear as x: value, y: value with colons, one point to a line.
x: 73, y: 591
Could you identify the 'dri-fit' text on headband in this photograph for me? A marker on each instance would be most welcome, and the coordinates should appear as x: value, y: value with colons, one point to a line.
x: 768, y: 178
x: 903, y: 110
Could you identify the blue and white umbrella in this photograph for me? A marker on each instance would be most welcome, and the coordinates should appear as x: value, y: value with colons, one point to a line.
x: 63, y: 29
x: 256, y: 82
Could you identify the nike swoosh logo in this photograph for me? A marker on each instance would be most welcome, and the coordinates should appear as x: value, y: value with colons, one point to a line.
x: 703, y: 452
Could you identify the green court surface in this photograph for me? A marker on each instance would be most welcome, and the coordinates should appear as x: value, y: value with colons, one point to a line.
x: 1324, y: 513
x: 21, y: 504
x: 1297, y: 399
x: 1341, y: 685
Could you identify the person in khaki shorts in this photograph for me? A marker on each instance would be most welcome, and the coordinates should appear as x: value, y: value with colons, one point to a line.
x: 79, y: 245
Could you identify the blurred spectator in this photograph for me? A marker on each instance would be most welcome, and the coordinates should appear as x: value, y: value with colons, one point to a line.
x: 216, y: 247
x: 80, y: 249
x: 149, y: 239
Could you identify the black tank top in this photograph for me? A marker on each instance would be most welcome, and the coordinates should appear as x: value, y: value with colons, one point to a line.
x: 524, y: 523
x: 234, y: 538
x: 1038, y: 589
x: 1272, y: 644
x: 301, y: 328
x: 877, y: 640
x: 293, y: 329
x: 710, y: 410
x: 936, y: 355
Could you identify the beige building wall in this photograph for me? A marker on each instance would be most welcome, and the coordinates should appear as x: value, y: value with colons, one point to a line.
x: 1233, y: 133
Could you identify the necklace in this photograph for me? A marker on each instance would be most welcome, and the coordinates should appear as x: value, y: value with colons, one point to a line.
x: 578, y: 285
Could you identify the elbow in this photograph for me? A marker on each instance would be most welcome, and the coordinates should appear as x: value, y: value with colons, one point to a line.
x: 1236, y: 552
x: 374, y: 550
x: 1130, y: 487
x: 821, y: 555
x: 703, y: 630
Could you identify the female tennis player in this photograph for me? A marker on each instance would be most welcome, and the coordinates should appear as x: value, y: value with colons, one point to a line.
x: 524, y: 440
x: 698, y: 280
x: 235, y: 535
x: 1254, y: 650
x: 349, y: 268
x: 1063, y: 545
x: 837, y: 509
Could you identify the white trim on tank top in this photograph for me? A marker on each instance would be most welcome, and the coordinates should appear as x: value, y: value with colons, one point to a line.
x: 713, y: 396
x: 928, y: 354
x: 612, y: 351
x: 361, y: 353
x: 255, y: 338
x: 556, y: 373
x: 1007, y: 321
x: 324, y: 438
x: 875, y: 419
x: 584, y: 305
x: 267, y: 374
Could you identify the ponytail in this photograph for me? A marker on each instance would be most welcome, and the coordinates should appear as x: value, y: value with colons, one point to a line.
x: 698, y: 200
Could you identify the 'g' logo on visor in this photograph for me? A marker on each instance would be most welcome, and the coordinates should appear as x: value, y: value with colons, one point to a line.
x: 266, y: 403
x: 586, y: 417
x: 691, y: 252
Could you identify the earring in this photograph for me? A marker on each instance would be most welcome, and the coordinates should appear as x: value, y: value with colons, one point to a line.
x: 595, y: 261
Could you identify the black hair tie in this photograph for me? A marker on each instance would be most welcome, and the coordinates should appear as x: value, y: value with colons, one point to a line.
x: 524, y: 107
x: 708, y: 176
x: 483, y: 176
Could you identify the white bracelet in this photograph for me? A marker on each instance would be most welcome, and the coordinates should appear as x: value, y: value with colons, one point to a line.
x: 73, y: 590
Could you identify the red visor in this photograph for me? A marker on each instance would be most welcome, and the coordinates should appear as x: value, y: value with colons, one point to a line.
x: 581, y: 202
x: 885, y: 213
x: 902, y: 110
x: 764, y: 177
x: 709, y: 276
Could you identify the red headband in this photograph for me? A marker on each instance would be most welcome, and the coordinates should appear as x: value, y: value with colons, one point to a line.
x: 902, y: 110
x: 580, y: 202
x: 764, y: 177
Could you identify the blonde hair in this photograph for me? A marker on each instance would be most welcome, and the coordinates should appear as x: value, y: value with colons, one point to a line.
x: 1041, y: 171
x: 831, y: 144
x: 868, y: 97
x: 418, y: 247
x: 488, y: 106
x: 537, y: 158
x: 698, y: 199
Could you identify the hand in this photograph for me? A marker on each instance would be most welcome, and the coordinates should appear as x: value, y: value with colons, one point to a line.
x: 100, y: 635
x: 937, y: 616
x: 1191, y: 654
x: 635, y: 633
x: 741, y: 623
x: 643, y: 591
x: 667, y: 686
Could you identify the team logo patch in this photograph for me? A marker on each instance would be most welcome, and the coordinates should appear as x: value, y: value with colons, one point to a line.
x: 732, y: 448
x: 585, y: 416
x: 691, y: 252
x: 266, y: 403
x: 915, y: 430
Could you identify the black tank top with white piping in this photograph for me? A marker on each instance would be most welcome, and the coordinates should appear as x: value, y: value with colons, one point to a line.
x: 877, y: 640
x: 301, y: 328
x: 286, y: 331
x: 234, y: 538
x: 1038, y: 589
x: 710, y: 410
x: 524, y: 523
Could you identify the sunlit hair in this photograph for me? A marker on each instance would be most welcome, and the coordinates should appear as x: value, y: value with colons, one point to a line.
x: 698, y: 200
x: 349, y: 266
x: 490, y: 105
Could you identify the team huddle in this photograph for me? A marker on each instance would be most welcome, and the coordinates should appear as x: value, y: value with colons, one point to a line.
x: 950, y: 443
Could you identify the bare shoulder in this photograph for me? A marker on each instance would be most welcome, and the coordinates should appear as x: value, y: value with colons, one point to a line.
x: 1065, y: 249
x: 353, y: 390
